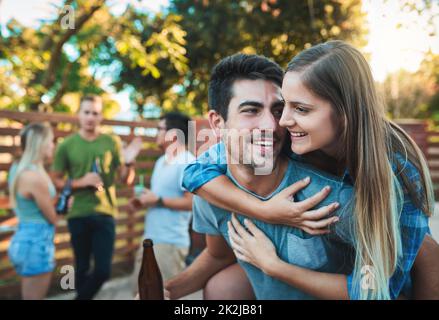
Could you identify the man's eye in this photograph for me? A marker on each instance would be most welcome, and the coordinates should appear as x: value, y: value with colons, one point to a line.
x: 252, y: 110
x: 278, y: 112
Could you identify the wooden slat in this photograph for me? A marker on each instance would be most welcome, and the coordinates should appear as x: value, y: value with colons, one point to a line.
x: 145, y: 165
x: 433, y: 166
x: 62, y: 117
x: 9, y: 131
x: 6, y: 235
x: 12, y: 290
x: 5, y: 166
x: 126, y: 220
x: 128, y: 235
x: 432, y: 136
x: 432, y: 157
x: 62, y: 134
x: 150, y: 153
x: 124, y: 252
x: 121, y: 219
x: 128, y: 138
x: 9, y: 149
x: 7, y: 273
x: 125, y: 193
x: 15, y: 132
x: 4, y: 204
x: 62, y: 230
x: 3, y: 256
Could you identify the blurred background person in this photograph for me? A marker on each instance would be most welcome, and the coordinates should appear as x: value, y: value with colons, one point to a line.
x: 167, y: 221
x: 32, y: 194
x: 91, y: 160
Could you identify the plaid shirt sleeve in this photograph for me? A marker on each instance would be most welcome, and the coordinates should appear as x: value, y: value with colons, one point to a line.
x: 206, y: 167
x: 413, y: 227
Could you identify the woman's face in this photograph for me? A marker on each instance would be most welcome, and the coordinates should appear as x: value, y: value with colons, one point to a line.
x: 311, y: 121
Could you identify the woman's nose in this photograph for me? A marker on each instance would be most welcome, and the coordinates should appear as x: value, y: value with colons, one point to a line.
x: 287, y: 119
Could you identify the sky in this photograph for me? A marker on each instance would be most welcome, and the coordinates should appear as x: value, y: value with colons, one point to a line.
x: 394, y: 48
x: 391, y: 48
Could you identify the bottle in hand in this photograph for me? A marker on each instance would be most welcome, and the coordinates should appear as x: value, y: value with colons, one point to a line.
x: 150, y: 278
x: 96, y: 168
x: 62, y: 204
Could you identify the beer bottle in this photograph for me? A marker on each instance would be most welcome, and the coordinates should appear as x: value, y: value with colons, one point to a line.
x: 63, y: 200
x: 150, y: 279
x: 138, y: 188
x: 96, y: 168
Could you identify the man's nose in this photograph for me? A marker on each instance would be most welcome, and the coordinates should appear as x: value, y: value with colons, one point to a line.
x: 268, y: 122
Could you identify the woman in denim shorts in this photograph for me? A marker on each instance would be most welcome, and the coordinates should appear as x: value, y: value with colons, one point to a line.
x: 31, y: 250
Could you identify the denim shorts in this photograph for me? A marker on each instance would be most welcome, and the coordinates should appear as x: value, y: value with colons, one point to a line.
x: 32, y: 250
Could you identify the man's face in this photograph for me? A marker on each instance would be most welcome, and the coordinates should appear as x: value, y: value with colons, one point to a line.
x: 254, y: 136
x: 49, y: 148
x: 90, y: 115
x: 161, y: 134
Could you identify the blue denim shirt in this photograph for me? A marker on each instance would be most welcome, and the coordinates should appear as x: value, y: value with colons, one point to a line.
x: 340, y: 243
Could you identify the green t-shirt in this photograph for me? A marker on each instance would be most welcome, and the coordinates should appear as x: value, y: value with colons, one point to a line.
x: 75, y: 157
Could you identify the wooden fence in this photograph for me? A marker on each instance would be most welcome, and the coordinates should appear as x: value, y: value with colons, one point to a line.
x: 129, y: 225
x: 426, y: 135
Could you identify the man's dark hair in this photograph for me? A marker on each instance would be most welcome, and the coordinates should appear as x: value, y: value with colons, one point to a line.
x: 238, y: 67
x: 177, y: 120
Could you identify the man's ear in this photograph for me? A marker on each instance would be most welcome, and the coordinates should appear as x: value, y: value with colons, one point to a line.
x: 216, y: 122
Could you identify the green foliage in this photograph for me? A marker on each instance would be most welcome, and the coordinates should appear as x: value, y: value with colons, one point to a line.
x: 48, y: 69
x: 413, y: 95
x: 278, y: 29
x: 163, y: 59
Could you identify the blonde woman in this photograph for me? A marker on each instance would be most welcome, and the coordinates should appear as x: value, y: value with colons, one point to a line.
x: 31, y: 250
x: 338, y: 126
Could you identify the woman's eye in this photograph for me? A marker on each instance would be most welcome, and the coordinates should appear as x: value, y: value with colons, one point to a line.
x: 301, y: 109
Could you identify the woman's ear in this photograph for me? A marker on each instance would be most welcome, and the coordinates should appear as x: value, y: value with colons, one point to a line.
x: 216, y: 122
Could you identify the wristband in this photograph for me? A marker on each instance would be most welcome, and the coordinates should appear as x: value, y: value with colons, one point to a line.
x: 160, y: 202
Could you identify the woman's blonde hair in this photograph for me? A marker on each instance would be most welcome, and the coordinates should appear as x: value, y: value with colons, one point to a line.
x: 373, y: 147
x: 34, y: 139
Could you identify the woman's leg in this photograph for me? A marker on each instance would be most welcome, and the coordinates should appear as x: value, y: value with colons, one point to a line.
x: 35, y: 287
x: 230, y: 283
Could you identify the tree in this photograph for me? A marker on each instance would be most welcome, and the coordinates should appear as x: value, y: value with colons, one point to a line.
x: 278, y: 29
x: 413, y: 95
x: 161, y: 40
x: 44, y: 67
x: 41, y: 68
x: 163, y: 59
